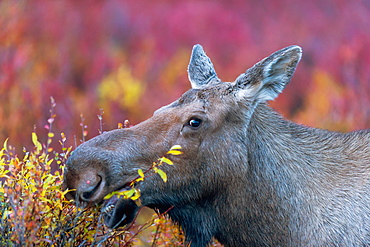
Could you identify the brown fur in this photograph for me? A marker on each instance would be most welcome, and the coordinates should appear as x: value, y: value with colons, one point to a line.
x: 247, y: 177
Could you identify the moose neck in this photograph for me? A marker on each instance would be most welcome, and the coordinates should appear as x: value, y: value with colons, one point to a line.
x: 283, y: 156
x: 288, y: 166
x: 279, y: 145
x: 280, y: 164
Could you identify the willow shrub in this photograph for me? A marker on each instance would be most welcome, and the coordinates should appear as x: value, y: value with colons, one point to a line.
x: 35, y: 212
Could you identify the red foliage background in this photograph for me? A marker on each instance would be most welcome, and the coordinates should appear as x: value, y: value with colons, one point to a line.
x: 130, y: 58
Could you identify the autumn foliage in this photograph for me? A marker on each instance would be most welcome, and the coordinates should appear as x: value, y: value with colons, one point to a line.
x: 130, y: 58
x: 35, y: 212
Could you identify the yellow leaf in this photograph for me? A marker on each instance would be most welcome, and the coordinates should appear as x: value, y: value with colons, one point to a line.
x: 4, y: 176
x: 36, y: 142
x: 136, y: 195
x: 109, y: 195
x: 140, y: 172
x: 162, y: 174
x: 6, y: 144
x: 63, y: 193
x: 49, y: 162
x: 174, y: 152
x: 25, y: 158
x: 165, y: 160
x: 176, y: 147
x: 127, y: 193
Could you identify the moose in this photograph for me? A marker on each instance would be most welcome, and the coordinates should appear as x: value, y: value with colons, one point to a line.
x: 247, y: 176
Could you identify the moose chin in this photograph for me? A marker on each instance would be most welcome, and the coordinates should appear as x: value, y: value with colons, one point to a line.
x: 247, y: 176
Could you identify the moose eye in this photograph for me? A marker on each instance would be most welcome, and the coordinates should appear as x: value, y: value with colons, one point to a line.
x: 195, y: 122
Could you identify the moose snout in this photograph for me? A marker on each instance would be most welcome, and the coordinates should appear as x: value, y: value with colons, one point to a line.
x: 89, y: 187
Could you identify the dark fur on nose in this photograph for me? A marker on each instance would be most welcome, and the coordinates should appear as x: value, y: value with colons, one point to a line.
x: 87, y: 187
x: 86, y: 193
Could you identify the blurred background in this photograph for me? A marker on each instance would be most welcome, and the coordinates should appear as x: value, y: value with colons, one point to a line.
x: 130, y: 57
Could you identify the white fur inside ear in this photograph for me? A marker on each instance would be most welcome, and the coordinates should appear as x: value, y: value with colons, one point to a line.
x: 248, y: 91
x: 273, y: 72
x: 268, y: 78
x: 256, y: 93
x: 266, y: 96
x: 274, y: 80
x: 262, y: 91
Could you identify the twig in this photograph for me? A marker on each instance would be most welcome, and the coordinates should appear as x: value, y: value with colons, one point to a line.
x: 100, y: 117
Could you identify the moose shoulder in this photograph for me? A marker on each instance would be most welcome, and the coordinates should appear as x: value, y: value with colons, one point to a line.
x: 247, y: 176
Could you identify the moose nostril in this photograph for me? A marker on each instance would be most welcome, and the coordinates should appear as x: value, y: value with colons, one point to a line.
x: 87, y: 195
x: 88, y: 192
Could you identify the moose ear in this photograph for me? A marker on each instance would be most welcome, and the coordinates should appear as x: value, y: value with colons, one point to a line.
x: 200, y: 70
x: 267, y: 79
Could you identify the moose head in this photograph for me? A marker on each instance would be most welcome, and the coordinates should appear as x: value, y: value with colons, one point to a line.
x: 246, y: 175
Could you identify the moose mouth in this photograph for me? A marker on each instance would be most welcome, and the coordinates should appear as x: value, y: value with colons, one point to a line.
x: 119, y: 212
